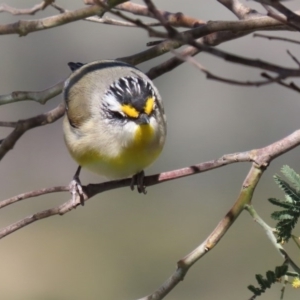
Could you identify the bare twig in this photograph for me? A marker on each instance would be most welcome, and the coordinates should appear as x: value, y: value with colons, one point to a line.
x: 269, y: 37
x: 105, y: 20
x: 25, y: 11
x: 255, y: 63
x: 294, y: 58
x: 93, y: 189
x: 32, y: 194
x: 291, y: 18
x: 281, y: 18
x: 290, y: 85
x: 37, y: 96
x: 210, y: 75
x: 242, y: 11
x: 172, y: 32
x: 23, y: 27
x: 174, y: 19
x: 270, y: 234
x: 23, y: 125
x: 109, y: 21
x: 261, y: 158
x: 8, y: 124
x: 212, y: 39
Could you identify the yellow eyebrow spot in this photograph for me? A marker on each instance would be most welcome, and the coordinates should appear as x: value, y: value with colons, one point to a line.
x: 130, y: 111
x: 149, y: 105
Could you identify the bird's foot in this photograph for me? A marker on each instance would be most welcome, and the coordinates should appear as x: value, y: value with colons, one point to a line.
x: 138, y: 180
x: 76, y: 190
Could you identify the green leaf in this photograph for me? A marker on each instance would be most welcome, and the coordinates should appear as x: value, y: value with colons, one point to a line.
x: 288, y: 189
x: 281, y: 203
x: 271, y: 276
x: 281, y: 271
x: 281, y: 215
x: 292, y: 176
x: 261, y: 281
x: 254, y: 290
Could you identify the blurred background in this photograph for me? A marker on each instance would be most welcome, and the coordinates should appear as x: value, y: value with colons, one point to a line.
x: 123, y: 245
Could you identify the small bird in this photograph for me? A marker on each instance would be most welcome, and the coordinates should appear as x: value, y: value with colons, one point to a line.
x: 114, y: 123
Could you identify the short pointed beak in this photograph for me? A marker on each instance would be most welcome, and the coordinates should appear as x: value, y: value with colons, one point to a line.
x: 143, y: 119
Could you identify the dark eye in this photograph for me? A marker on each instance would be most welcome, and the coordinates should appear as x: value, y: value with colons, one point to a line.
x: 117, y: 115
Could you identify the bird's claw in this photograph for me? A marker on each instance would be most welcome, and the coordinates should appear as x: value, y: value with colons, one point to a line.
x: 138, y: 180
x: 76, y: 190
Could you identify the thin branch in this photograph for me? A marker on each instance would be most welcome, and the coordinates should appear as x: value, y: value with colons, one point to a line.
x: 211, y: 241
x: 24, y: 125
x: 140, y: 24
x: 242, y: 11
x: 270, y: 37
x: 210, y: 75
x: 255, y: 63
x: 290, y: 85
x: 25, y: 11
x: 291, y: 18
x: 105, y: 20
x: 281, y: 18
x: 270, y: 234
x: 8, y: 124
x: 172, y: 32
x: 261, y: 158
x: 212, y: 39
x: 23, y: 27
x: 94, y: 189
x: 37, y: 96
x: 213, y: 33
x: 175, y: 19
x: 32, y: 194
x: 294, y: 58
x: 115, y: 22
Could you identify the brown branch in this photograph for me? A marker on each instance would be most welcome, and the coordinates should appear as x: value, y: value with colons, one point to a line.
x: 37, y: 96
x: 213, y: 34
x: 261, y: 158
x: 255, y: 63
x: 25, y: 11
x: 94, y: 189
x: 212, y: 76
x: 270, y: 234
x: 279, y: 17
x: 23, y: 27
x: 109, y: 21
x: 212, y: 39
x: 140, y: 24
x: 23, y: 125
x: 105, y: 20
x: 290, y: 19
x: 32, y: 194
x: 211, y: 241
x: 174, y: 19
x: 270, y: 37
x: 290, y: 85
x: 293, y: 57
x: 172, y: 32
x: 8, y: 124
x: 242, y: 11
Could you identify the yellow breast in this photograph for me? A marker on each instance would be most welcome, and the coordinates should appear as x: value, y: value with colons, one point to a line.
x: 139, y: 154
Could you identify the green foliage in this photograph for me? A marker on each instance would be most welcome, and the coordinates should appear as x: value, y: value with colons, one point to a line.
x: 288, y: 217
x: 265, y: 283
